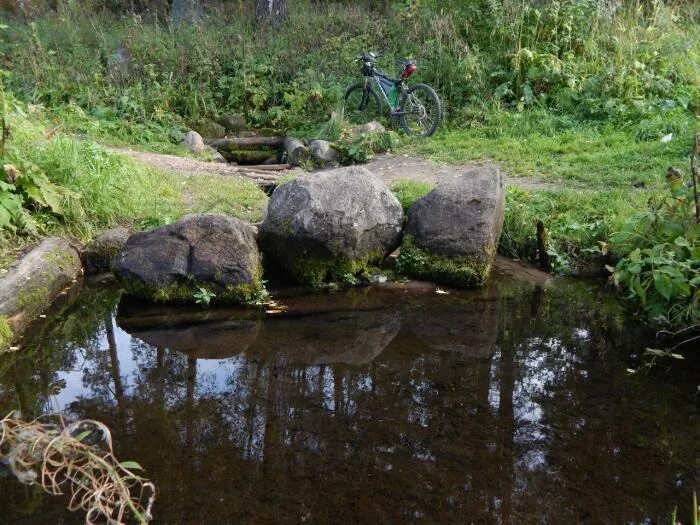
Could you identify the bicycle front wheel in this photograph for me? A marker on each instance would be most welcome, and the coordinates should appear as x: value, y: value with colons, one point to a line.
x: 362, y: 104
x: 420, y: 111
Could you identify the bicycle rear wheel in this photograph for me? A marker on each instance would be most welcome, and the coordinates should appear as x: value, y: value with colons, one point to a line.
x: 420, y: 111
x: 362, y: 104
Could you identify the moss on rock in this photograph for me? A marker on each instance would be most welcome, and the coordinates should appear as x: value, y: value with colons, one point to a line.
x: 316, y: 271
x: 184, y: 292
x: 6, y: 333
x: 467, y: 272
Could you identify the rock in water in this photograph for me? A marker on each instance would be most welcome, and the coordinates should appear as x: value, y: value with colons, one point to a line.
x: 453, y: 231
x: 193, y: 142
x: 331, y: 225
x: 211, y: 251
x: 98, y: 255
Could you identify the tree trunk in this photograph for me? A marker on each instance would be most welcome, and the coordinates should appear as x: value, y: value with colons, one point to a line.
x: 185, y: 12
x: 273, y: 12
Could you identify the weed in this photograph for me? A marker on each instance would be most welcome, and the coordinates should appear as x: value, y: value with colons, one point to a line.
x: 203, y: 296
x: 77, y: 457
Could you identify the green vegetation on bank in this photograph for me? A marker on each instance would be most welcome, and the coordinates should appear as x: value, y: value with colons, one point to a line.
x: 574, y: 95
x: 51, y: 183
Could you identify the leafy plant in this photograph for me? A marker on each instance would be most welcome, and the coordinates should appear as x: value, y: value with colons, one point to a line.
x: 203, y: 296
x: 662, y: 270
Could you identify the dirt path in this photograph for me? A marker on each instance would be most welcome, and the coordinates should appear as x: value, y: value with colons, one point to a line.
x: 188, y: 166
x: 388, y: 167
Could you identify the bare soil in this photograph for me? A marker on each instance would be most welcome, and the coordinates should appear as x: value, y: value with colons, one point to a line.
x: 388, y: 167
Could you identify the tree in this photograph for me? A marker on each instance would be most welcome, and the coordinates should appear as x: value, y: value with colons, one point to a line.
x: 185, y: 12
x: 271, y: 11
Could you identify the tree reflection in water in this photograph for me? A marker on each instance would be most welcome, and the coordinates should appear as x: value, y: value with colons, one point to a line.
x: 506, y: 405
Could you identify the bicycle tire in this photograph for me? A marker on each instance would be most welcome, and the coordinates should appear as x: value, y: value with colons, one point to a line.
x: 357, y: 109
x: 414, y: 111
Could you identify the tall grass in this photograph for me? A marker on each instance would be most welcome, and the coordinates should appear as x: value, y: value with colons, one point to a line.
x: 580, y: 56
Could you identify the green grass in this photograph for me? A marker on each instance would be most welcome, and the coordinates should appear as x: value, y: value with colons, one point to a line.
x: 407, y: 191
x: 596, y: 176
x: 550, y: 148
x: 100, y: 189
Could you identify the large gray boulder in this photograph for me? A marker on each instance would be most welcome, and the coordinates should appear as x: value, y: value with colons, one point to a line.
x: 453, y: 232
x: 211, y: 251
x: 331, y: 224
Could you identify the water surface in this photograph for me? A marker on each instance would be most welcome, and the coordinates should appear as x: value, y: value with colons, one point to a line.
x: 510, y: 404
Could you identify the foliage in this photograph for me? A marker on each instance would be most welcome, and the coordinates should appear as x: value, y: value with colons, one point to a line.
x: 363, y: 148
x: 407, y: 191
x: 77, y: 457
x: 662, y: 269
x: 203, y: 296
x: 696, y: 512
x: 78, y: 187
x: 138, y: 80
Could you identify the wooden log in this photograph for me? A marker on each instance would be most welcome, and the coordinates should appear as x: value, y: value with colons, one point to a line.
x: 247, y: 143
x: 241, y: 156
x: 266, y: 167
x: 297, y: 153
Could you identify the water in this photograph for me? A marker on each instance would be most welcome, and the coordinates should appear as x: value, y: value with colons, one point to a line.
x: 394, y: 404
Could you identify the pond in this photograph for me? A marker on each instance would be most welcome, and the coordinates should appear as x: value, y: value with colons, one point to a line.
x: 387, y: 404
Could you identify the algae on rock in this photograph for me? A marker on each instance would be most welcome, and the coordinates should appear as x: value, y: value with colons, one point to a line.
x: 453, y: 231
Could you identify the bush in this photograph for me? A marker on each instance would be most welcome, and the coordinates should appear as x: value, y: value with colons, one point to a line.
x: 662, y: 269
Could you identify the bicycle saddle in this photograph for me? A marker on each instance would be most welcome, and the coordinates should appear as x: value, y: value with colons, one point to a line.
x: 403, y: 62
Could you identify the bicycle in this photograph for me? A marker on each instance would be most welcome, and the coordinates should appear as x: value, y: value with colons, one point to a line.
x: 417, y: 108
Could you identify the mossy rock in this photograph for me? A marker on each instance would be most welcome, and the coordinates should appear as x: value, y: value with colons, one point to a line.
x: 312, y: 271
x: 213, y: 252
x: 463, y: 272
x: 332, y: 226
x: 187, y: 291
x: 208, y: 129
x: 452, y: 233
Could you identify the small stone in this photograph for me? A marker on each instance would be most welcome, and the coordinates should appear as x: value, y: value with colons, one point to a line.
x: 370, y: 127
x: 193, y: 142
x: 323, y: 152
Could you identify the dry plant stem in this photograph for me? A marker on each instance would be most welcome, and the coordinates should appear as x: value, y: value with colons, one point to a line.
x: 58, y: 457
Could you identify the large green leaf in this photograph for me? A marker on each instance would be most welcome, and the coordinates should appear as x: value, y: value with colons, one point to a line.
x: 663, y: 284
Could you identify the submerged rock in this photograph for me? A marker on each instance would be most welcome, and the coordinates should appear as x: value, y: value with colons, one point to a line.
x: 353, y: 337
x: 100, y: 252
x: 453, y: 231
x: 331, y: 225
x: 210, y: 251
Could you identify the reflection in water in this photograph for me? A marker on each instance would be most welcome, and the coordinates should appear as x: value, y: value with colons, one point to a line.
x: 505, y: 405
